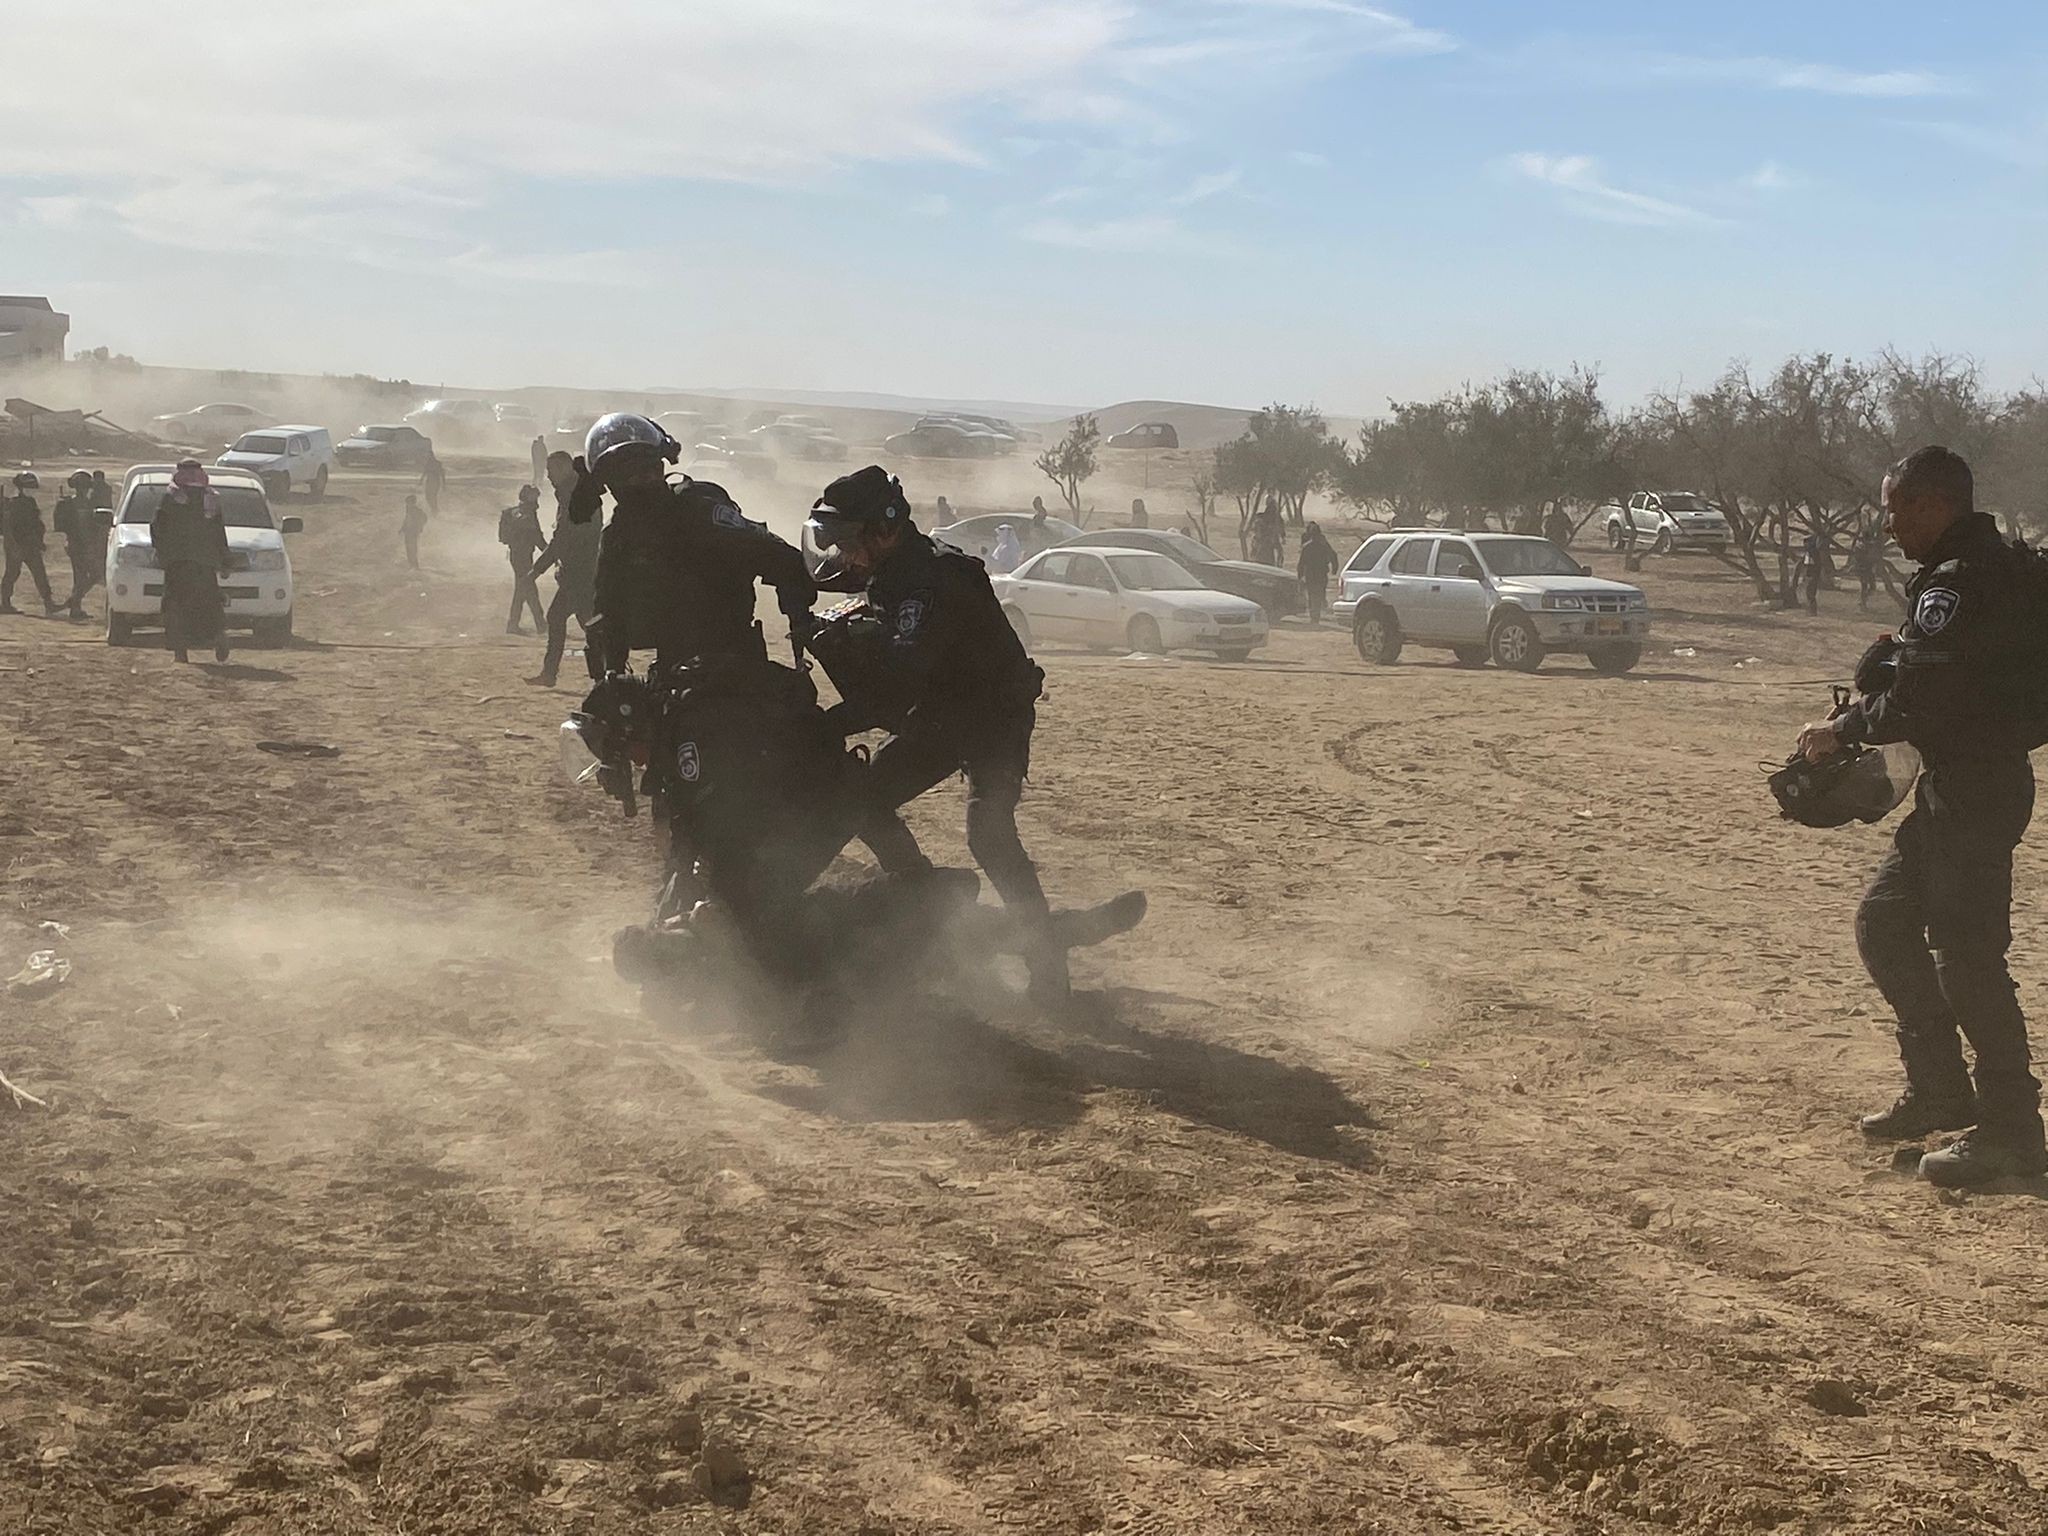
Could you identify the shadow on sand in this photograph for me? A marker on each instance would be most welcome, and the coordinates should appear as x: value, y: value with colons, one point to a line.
x: 940, y: 1064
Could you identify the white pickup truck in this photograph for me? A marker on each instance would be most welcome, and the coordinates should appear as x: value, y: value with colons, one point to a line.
x: 284, y: 459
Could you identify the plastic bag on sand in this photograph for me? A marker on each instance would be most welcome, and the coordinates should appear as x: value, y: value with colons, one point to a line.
x: 46, y: 971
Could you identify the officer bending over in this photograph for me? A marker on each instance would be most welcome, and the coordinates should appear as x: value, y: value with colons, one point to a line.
x: 1936, y: 922
x: 957, y: 689
x: 676, y: 565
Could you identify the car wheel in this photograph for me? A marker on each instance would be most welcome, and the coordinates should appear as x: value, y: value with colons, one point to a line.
x: 1515, y: 644
x: 1144, y: 636
x: 1470, y: 655
x: 1614, y: 659
x: 1234, y: 653
x: 320, y: 482
x: 1614, y: 535
x: 1377, y: 635
x: 1018, y: 622
x: 273, y: 631
x: 1663, y: 544
x: 119, y: 628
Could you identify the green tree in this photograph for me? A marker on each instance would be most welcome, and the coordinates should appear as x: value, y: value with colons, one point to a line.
x: 1070, y: 462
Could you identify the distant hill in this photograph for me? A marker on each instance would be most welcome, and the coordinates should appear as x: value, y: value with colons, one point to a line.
x: 913, y: 405
x: 1201, y: 427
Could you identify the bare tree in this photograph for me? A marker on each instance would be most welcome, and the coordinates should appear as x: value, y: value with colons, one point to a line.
x: 1070, y: 463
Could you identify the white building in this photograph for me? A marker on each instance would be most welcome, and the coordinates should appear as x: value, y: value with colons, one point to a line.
x: 31, y: 330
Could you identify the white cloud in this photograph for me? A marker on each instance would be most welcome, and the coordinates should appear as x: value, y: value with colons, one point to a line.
x: 1770, y: 177
x: 1138, y: 232
x: 1789, y: 75
x: 1585, y: 191
x: 1202, y: 188
x: 1310, y: 158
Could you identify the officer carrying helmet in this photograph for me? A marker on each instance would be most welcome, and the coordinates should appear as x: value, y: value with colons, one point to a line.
x: 677, y: 563
x: 952, y: 681
x: 1960, y: 682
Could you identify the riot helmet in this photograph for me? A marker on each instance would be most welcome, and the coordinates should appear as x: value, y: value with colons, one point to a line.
x: 624, y: 448
x: 1856, y: 784
x: 26, y: 481
x: 869, y: 498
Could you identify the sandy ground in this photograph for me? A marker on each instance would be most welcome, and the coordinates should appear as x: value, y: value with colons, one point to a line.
x: 1462, y: 1145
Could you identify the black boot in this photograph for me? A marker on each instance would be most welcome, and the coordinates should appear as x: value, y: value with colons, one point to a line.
x: 1915, y: 1114
x: 1986, y: 1157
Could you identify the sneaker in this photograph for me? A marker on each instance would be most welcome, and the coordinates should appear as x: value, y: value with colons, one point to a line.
x: 1914, y: 1115
x: 541, y: 680
x: 1976, y: 1158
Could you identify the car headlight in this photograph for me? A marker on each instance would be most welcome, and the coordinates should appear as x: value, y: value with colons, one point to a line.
x: 134, y: 556
x: 1637, y: 603
x: 1563, y: 601
x: 266, y: 559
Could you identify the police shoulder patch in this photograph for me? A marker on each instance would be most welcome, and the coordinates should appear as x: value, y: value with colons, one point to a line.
x: 912, y: 612
x: 1936, y: 609
x: 726, y: 515
x: 688, y: 763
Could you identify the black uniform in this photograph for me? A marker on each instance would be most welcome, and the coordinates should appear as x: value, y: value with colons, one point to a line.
x: 1936, y: 922
x: 519, y: 531
x: 21, y: 530
x: 572, y: 553
x: 676, y: 568
x: 85, y: 541
x: 961, y: 695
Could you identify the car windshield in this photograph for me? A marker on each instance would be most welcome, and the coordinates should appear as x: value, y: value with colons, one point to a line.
x: 380, y: 434
x: 1527, y: 557
x: 241, y: 506
x: 1685, y: 501
x: 258, y: 442
x: 1151, y: 573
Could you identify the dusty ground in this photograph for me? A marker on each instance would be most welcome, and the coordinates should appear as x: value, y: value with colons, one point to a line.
x: 1462, y: 1145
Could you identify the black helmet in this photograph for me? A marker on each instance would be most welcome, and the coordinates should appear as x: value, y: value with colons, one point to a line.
x: 1857, y: 784
x: 624, y: 433
x: 868, y: 497
x: 78, y: 479
x: 26, y: 481
x: 529, y: 495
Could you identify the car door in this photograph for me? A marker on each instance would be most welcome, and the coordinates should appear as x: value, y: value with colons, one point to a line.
x: 1459, y: 597
x: 1406, y: 584
x: 1047, y: 599
x: 1098, y: 608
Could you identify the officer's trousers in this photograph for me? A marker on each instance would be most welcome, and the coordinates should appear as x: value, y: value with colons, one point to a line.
x: 32, y: 560
x: 995, y: 760
x: 1934, y: 928
x: 568, y: 602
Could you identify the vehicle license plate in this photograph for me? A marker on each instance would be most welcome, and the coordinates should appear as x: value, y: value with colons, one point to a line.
x: 1611, y: 627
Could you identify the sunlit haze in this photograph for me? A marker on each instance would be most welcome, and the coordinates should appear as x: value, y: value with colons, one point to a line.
x: 1069, y: 201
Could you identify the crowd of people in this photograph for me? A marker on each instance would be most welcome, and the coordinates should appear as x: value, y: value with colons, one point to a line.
x: 80, y: 517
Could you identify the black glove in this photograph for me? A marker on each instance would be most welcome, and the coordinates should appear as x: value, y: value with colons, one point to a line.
x: 586, y: 496
x: 1879, y: 668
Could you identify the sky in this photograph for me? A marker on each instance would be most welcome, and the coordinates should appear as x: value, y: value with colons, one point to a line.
x: 1067, y: 201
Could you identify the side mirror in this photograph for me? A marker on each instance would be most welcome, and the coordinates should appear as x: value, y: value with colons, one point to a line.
x: 105, y: 515
x: 1585, y: 570
x: 1469, y: 572
x: 292, y: 525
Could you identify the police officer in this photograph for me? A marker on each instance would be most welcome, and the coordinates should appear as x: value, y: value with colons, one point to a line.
x: 85, y: 539
x: 572, y: 554
x: 1936, y: 922
x: 520, y: 532
x: 958, y: 691
x: 21, y: 529
x: 676, y: 564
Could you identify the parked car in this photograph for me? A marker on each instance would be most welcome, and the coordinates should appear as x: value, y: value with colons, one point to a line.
x: 465, y: 422
x: 257, y: 585
x: 1105, y: 595
x: 977, y: 535
x: 571, y: 432
x: 389, y: 445
x: 1273, y: 589
x: 720, y: 458
x: 1007, y: 430
x: 683, y: 426
x: 1146, y: 434
x: 935, y: 438
x: 1504, y: 597
x: 795, y: 438
x: 1664, y: 521
x: 220, y: 422
x: 284, y: 457
x: 516, y: 420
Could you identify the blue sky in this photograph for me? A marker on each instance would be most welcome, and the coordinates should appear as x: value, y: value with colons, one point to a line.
x: 1072, y: 201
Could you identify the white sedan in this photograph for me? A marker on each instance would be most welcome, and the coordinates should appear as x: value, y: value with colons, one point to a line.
x: 1127, y: 597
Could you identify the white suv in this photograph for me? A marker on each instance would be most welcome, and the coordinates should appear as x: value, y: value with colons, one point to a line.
x: 257, y: 583
x: 284, y: 457
x: 1663, y: 521
x: 1499, y: 596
